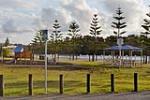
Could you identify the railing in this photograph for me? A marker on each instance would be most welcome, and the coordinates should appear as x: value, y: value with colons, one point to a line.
x: 62, y: 82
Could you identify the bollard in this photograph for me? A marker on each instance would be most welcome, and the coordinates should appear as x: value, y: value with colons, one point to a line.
x: 30, y: 85
x: 88, y: 83
x: 135, y: 82
x: 1, y: 86
x: 112, y: 83
x: 61, y: 84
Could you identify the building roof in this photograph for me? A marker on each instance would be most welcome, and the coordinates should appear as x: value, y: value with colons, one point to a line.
x: 124, y: 47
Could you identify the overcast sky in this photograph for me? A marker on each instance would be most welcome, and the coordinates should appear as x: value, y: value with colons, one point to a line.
x: 20, y: 19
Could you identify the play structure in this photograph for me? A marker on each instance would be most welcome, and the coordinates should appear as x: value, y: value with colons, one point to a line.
x: 20, y: 54
x: 123, y: 55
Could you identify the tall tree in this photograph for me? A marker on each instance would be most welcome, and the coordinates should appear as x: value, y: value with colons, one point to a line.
x: 7, y: 42
x: 95, y: 30
x: 119, y: 24
x: 73, y: 33
x: 55, y: 37
x: 146, y: 27
x: 38, y: 39
x: 38, y: 43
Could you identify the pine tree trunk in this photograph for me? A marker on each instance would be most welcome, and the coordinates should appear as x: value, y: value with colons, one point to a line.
x: 58, y: 56
x: 73, y: 57
x: 70, y: 57
x: 76, y: 57
x: 89, y: 57
x: 55, y: 57
x: 149, y: 60
x: 96, y: 58
x: 93, y: 57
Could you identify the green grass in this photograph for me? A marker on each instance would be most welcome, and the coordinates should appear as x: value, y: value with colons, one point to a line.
x: 16, y: 79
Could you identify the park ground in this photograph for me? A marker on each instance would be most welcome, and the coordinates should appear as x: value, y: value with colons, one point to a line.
x: 16, y: 78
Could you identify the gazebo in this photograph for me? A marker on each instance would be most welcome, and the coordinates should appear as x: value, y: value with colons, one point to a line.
x: 120, y: 60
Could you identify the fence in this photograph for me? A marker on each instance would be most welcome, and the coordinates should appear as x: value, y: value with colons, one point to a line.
x: 62, y: 82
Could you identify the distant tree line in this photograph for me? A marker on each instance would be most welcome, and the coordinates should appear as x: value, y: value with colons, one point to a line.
x: 73, y: 43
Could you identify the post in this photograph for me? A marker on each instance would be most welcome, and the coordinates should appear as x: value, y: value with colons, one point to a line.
x: 61, y: 84
x: 88, y: 83
x: 2, y: 54
x: 1, y: 86
x: 135, y: 82
x: 141, y: 57
x: 46, y: 67
x: 112, y: 83
x: 120, y: 61
x: 103, y: 56
x: 30, y: 84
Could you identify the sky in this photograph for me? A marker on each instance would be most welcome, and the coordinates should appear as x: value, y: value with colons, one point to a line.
x: 21, y: 19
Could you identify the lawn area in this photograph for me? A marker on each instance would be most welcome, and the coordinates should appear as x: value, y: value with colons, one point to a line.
x: 16, y: 79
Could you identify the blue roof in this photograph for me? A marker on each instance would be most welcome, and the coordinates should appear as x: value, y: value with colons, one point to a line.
x: 18, y: 49
x: 124, y: 47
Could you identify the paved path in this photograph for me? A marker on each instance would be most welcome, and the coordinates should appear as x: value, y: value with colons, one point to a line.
x: 124, y: 96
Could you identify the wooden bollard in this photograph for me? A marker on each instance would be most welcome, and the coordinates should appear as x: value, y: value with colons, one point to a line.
x: 112, y: 83
x: 1, y: 86
x: 135, y: 82
x: 88, y: 83
x: 61, y: 84
x: 30, y: 84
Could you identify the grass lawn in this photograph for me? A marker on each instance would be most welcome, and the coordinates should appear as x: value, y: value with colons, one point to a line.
x: 16, y: 79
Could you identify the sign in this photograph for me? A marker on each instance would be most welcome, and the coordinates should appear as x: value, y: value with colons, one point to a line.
x: 120, y: 41
x: 44, y: 34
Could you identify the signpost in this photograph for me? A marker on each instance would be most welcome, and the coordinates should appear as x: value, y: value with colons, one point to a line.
x: 120, y: 43
x: 45, y: 37
x: 2, y: 55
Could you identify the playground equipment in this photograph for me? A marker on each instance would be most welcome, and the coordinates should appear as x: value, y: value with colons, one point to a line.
x: 20, y: 52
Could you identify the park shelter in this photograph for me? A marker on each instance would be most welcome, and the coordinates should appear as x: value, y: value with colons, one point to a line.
x: 124, y: 48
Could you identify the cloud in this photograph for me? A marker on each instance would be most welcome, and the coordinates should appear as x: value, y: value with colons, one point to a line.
x: 48, y: 15
x: 10, y: 4
x: 80, y: 12
x: 24, y: 17
x: 9, y: 26
x: 132, y: 11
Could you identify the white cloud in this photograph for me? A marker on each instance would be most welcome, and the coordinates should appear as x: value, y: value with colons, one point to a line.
x: 134, y: 11
x: 23, y: 17
x: 81, y: 12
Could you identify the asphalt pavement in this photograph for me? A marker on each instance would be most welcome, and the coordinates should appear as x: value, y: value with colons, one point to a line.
x: 122, y: 96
